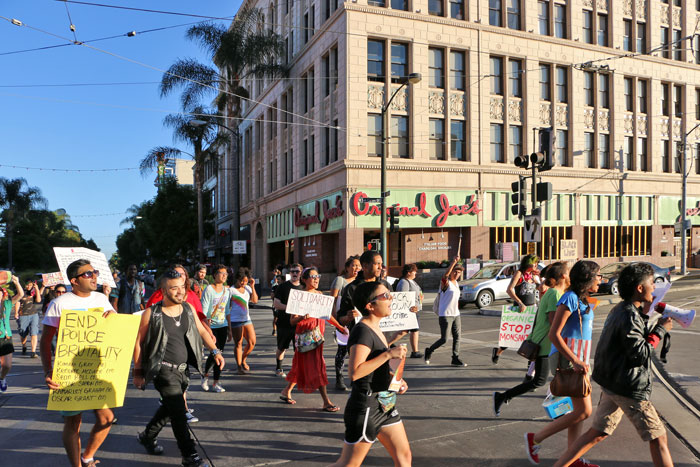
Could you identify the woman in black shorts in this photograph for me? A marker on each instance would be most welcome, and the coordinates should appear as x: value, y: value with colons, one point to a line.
x: 370, y: 413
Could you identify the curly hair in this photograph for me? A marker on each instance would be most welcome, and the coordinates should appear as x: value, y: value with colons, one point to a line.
x: 583, y: 276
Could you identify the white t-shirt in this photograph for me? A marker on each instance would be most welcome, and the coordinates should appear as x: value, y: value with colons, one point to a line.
x: 70, y: 301
x: 449, y: 302
x: 239, y: 304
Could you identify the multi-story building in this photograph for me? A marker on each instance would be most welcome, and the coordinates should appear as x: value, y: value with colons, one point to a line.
x: 617, y: 81
x: 179, y: 169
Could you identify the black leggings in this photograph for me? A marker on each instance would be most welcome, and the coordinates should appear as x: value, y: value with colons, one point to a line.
x: 221, y: 334
x: 340, y: 358
x: 541, y: 371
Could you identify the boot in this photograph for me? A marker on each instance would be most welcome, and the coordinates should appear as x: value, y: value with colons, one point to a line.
x: 339, y: 381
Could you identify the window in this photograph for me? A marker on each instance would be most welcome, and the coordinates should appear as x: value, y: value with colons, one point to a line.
x: 665, y: 53
x: 309, y: 159
x: 510, y: 17
x: 562, y: 149
x: 457, y: 9
x: 375, y: 60
x: 629, y: 99
x: 436, y: 68
x: 602, y: 29
x: 588, y: 149
x: 495, y: 11
x: 513, y: 14
x: 497, y: 76
x: 326, y: 73
x: 435, y: 8
x: 603, y: 91
x: 627, y: 35
x: 588, y: 88
x: 678, y: 101
x: 628, y: 153
x: 374, y: 135
x: 697, y: 158
x: 587, y: 27
x: 308, y: 90
x: 305, y: 31
x: 641, y: 38
x: 437, y: 139
x: 376, y: 3
x: 399, y: 61
x: 457, y: 70
x: 399, y: 5
x: 641, y: 162
x: 497, y: 143
x: 561, y: 85
x: 399, y: 137
x: 604, y: 151
x: 458, y: 146
x: 697, y: 102
x: 334, y: 141
x: 641, y: 96
x: 560, y: 20
x: 665, y: 156
x: 664, y: 100
x: 677, y: 44
x: 515, y: 78
x: 330, y: 71
x: 543, y: 17
x: 545, y: 83
x: 515, y: 141
x: 326, y: 147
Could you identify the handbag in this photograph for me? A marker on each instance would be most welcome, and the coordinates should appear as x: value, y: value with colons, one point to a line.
x: 569, y: 382
x: 308, y: 340
x: 528, y: 349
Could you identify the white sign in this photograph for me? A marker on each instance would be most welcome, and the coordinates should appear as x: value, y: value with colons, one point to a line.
x: 515, y: 326
x: 52, y: 278
x: 401, y: 317
x: 533, y: 228
x: 65, y: 256
x: 315, y: 305
x: 239, y: 247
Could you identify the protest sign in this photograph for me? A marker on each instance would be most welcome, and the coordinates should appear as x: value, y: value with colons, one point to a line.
x: 65, y: 256
x: 315, y: 305
x: 515, y: 326
x: 401, y: 317
x: 52, y: 278
x: 93, y: 357
x: 568, y: 250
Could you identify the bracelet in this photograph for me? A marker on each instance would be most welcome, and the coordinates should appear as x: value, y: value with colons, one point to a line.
x: 215, y: 352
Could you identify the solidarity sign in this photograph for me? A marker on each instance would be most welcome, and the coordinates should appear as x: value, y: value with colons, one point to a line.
x: 401, y: 317
x: 315, y: 305
x: 93, y: 357
x: 65, y: 256
x: 515, y: 326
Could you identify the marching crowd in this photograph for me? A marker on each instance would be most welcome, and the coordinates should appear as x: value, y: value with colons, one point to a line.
x: 185, y: 315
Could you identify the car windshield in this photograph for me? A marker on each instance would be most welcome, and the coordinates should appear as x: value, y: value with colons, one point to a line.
x: 488, y: 272
x: 612, y: 268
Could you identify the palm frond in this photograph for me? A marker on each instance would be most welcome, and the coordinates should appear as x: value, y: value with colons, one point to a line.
x: 208, y: 35
x: 150, y: 162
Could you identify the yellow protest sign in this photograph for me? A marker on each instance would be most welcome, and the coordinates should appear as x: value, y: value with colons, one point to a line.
x: 93, y: 357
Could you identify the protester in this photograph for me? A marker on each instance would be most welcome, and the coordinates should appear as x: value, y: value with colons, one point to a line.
x: 448, y: 314
x: 623, y: 369
x: 407, y: 283
x: 170, y: 339
x: 216, y: 304
x: 276, y: 282
x: 370, y: 413
x: 557, y: 279
x: 27, y: 313
x: 199, y: 282
x: 82, y: 297
x: 285, y: 329
x: 242, y: 327
x: 350, y: 271
x: 570, y: 333
x: 6, y: 346
x: 521, y: 289
x: 129, y: 293
x: 308, y: 367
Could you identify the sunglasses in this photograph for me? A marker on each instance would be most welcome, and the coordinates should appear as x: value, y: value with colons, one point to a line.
x: 89, y: 274
x: 295, y: 271
x: 382, y: 297
x: 315, y: 276
x: 59, y: 292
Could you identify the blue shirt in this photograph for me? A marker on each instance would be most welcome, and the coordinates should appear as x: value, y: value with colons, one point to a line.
x: 580, y: 344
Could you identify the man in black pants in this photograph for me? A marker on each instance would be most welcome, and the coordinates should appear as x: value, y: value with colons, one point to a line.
x: 285, y: 330
x: 170, y: 337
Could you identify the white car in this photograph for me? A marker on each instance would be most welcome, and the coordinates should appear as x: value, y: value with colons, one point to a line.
x: 489, y: 284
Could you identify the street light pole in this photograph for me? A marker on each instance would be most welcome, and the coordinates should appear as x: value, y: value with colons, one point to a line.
x: 684, y: 192
x: 412, y: 78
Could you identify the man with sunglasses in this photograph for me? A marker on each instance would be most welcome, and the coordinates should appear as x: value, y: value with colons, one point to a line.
x: 285, y: 330
x: 83, y: 297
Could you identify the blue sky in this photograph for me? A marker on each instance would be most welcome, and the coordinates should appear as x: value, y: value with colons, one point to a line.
x: 90, y: 127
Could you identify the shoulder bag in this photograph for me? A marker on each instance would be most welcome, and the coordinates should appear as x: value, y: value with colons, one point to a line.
x: 569, y: 382
x: 308, y: 340
x: 528, y: 349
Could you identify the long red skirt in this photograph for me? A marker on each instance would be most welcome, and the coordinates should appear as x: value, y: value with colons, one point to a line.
x: 309, y: 368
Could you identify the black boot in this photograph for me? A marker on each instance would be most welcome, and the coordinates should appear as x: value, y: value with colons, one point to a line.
x: 151, y: 445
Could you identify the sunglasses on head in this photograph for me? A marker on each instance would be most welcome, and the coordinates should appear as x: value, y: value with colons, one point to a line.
x: 382, y: 297
x: 89, y: 274
x: 172, y: 274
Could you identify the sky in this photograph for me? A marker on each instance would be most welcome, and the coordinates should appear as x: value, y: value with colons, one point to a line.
x: 97, y: 122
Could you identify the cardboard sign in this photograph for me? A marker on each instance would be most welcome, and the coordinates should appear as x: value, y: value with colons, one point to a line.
x: 515, y: 326
x: 315, y: 305
x: 93, y: 357
x: 397, y: 366
x: 52, y: 278
x: 568, y: 250
x: 65, y: 256
x: 401, y: 318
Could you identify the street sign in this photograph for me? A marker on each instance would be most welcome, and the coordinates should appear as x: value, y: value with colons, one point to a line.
x: 678, y: 226
x: 239, y: 247
x: 371, y: 200
x: 532, y: 231
x: 532, y: 248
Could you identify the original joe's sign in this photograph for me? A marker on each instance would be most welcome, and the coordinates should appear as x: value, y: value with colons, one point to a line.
x: 434, y: 207
x: 321, y: 213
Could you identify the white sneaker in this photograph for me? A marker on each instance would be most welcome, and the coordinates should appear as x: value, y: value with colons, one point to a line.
x: 190, y: 410
x: 217, y: 388
x: 205, y: 383
x: 191, y: 418
x: 280, y: 372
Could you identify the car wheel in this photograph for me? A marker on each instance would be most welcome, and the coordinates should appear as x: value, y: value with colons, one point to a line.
x: 614, y: 289
x: 484, y: 299
x: 659, y: 280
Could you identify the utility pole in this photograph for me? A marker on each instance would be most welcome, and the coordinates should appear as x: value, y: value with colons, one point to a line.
x: 684, y: 192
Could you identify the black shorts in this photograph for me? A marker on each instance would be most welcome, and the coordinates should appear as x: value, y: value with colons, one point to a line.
x: 6, y: 347
x: 285, y: 336
x: 364, y: 424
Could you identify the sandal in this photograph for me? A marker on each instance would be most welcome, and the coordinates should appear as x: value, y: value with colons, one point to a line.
x: 331, y: 408
x: 245, y: 366
x: 288, y: 400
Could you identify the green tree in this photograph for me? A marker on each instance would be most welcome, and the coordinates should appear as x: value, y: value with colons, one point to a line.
x: 17, y: 198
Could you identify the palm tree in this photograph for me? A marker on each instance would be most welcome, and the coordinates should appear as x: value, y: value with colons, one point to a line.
x: 17, y: 198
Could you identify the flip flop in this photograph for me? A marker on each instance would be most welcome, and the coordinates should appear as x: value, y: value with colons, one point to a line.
x: 288, y: 400
x: 331, y: 408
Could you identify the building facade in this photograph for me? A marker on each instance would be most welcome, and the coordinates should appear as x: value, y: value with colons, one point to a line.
x: 617, y: 81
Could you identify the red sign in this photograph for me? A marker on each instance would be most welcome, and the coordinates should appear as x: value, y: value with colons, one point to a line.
x: 315, y: 218
x: 361, y: 208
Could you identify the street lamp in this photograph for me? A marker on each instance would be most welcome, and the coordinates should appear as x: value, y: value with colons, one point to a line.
x: 412, y: 78
x: 684, y: 192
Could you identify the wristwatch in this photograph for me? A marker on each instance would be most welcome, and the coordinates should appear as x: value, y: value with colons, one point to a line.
x: 215, y: 352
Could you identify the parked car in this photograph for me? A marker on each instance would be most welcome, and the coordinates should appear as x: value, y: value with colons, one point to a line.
x: 489, y: 284
x: 611, y: 273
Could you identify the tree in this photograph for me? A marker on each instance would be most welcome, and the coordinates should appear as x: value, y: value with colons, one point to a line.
x: 17, y: 198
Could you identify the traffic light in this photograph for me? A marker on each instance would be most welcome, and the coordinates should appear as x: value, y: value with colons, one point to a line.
x: 546, y: 148
x: 521, y: 161
x: 393, y: 219
x: 519, y: 197
x: 543, y: 192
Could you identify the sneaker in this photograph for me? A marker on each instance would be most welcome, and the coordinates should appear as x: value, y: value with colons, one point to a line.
x: 581, y: 462
x: 91, y: 463
x: 217, y: 388
x: 427, y: 355
x: 151, y: 445
x: 457, y: 362
x: 205, y: 383
x: 499, y: 399
x: 494, y: 356
x: 194, y: 461
x: 191, y: 418
x: 532, y: 448
x: 416, y: 354
x: 35, y: 355
x: 3, y: 385
x: 190, y: 410
x: 24, y: 350
x: 280, y: 372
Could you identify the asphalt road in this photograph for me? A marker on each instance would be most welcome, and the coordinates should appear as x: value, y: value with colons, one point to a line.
x: 447, y: 411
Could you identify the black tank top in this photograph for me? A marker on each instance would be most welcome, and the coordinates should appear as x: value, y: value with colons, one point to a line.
x: 176, y: 350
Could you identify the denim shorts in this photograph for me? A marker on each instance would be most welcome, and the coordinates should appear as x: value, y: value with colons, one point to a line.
x: 238, y: 324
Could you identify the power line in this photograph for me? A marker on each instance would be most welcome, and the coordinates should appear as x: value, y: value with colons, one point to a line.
x: 52, y: 169
x: 145, y: 10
